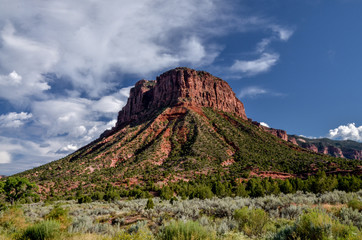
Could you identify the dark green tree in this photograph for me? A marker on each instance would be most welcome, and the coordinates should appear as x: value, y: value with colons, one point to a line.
x: 2, y: 184
x: 218, y: 188
x: 16, y: 188
x: 286, y: 186
x: 201, y: 192
x: 166, y: 193
x: 241, y: 191
x: 321, y: 183
x: 255, y: 188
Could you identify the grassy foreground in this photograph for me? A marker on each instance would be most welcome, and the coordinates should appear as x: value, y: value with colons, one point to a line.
x: 332, y: 215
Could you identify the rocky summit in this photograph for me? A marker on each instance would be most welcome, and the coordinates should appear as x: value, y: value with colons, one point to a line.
x: 184, y: 124
x: 181, y: 88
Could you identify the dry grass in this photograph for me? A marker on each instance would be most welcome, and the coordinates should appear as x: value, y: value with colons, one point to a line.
x: 86, y: 236
x: 13, y: 217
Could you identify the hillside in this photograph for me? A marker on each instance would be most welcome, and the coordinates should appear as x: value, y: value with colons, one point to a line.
x: 184, y: 124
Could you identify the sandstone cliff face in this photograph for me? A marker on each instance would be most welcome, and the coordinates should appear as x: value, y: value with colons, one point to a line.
x: 180, y: 86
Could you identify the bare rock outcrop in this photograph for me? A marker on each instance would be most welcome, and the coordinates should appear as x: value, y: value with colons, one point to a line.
x: 179, y: 86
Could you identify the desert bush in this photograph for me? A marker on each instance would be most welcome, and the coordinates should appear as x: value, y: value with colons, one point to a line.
x: 185, y: 231
x: 59, y: 214
x: 251, y: 221
x: 291, y: 212
x: 81, y: 225
x: 48, y: 229
x: 141, y: 234
x: 12, y: 219
x: 350, y: 216
x: 234, y: 236
x: 316, y: 225
x: 225, y: 226
x: 334, y: 197
x: 355, y: 204
x: 271, y: 203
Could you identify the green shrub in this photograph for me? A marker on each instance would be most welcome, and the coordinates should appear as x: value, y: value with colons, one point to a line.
x: 150, y: 204
x: 141, y: 234
x: 59, y: 214
x: 12, y: 219
x: 111, y: 196
x: 355, y: 204
x: 185, y: 231
x: 318, y: 225
x: 201, y: 192
x: 314, y: 225
x: 166, y: 193
x: 251, y: 221
x: 84, y: 199
x: 350, y: 216
x: 97, y: 196
x: 48, y: 229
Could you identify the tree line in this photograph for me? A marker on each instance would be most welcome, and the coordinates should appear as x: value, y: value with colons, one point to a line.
x: 18, y: 189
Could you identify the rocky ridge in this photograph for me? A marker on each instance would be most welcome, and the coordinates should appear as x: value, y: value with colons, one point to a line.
x: 336, y: 148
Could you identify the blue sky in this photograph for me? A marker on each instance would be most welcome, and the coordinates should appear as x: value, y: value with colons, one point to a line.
x: 66, y: 67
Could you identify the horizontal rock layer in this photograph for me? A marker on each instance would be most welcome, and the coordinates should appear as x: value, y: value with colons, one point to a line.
x: 180, y: 86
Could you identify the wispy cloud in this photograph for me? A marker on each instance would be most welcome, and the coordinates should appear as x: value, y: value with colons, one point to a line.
x: 256, y: 91
x: 284, y: 33
x: 346, y: 132
x: 253, y: 67
x: 252, y: 91
x: 265, y: 57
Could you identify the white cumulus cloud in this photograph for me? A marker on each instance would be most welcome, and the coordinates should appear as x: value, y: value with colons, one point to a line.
x: 5, y: 157
x: 264, y: 124
x: 108, y: 104
x: 346, y: 132
x: 13, y: 119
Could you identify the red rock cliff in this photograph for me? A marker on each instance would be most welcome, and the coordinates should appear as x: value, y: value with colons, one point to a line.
x: 180, y: 86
